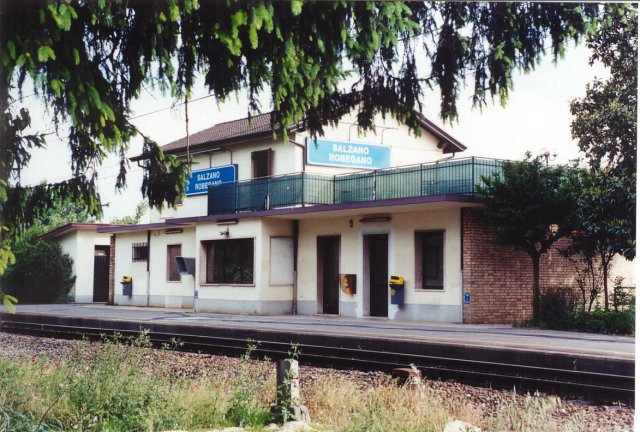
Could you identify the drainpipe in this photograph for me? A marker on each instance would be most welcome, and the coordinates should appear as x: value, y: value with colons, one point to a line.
x: 294, y: 303
x: 148, y: 261
x: 304, y: 152
x: 230, y: 154
x: 195, y: 294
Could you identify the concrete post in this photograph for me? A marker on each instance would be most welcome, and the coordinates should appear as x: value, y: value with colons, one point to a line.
x: 288, y: 392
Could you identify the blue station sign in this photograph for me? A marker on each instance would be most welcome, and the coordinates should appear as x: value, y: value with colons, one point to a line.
x: 347, y: 154
x: 199, y: 181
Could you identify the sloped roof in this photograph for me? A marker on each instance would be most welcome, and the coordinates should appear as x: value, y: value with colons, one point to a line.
x: 74, y: 226
x: 223, y: 132
x: 235, y: 131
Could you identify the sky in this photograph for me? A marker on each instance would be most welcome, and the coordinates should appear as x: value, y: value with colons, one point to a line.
x: 536, y: 118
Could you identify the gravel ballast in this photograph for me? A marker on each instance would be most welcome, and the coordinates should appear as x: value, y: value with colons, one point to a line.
x: 592, y: 416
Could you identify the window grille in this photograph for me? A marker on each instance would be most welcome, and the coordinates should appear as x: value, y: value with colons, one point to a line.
x: 139, y: 252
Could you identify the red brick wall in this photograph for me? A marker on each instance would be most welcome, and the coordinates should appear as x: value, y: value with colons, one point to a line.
x: 499, y: 278
x: 112, y: 268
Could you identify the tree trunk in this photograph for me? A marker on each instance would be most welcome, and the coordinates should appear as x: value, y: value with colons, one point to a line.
x: 535, y: 259
x: 605, y: 277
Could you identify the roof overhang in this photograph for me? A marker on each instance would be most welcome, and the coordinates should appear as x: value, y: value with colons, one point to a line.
x: 71, y: 227
x: 398, y: 205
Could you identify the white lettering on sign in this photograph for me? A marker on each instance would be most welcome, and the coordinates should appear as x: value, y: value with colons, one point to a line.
x: 350, y: 149
x: 345, y: 158
x: 208, y: 176
x: 204, y: 186
x: 348, y: 153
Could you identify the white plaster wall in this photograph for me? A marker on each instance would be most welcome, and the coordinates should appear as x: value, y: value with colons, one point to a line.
x: 86, y: 241
x: 160, y: 286
x: 124, y: 265
x: 273, y: 228
x: 405, y: 147
x: 626, y: 269
x: 69, y: 245
x: 401, y: 230
x: 350, y: 259
x: 211, y: 231
x: 284, y: 162
x: 402, y: 255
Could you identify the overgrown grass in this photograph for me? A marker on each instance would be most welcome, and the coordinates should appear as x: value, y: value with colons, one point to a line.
x: 114, y: 387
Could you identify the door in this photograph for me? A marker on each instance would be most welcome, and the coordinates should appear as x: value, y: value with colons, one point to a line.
x: 378, y: 256
x: 101, y: 274
x: 329, y: 274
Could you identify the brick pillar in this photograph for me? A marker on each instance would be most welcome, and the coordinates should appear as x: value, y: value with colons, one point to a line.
x: 112, y: 269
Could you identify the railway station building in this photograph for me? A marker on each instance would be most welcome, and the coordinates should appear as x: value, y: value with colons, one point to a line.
x: 304, y: 225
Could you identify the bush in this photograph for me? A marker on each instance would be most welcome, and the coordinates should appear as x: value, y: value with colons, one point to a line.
x: 41, y: 273
x: 606, y: 322
x: 558, y: 308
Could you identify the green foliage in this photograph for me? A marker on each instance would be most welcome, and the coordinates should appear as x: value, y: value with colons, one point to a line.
x: 558, y: 308
x: 244, y: 410
x: 605, y: 125
x: 605, y: 119
x: 605, y: 222
x: 41, y: 273
x: 607, y: 322
x: 89, y: 60
x: 624, y: 298
x: 141, y: 209
x: 559, y: 311
x: 531, y: 206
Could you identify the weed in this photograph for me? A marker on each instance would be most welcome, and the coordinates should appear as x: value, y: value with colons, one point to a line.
x: 534, y: 414
x: 244, y: 408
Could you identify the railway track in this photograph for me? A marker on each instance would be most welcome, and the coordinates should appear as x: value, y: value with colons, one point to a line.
x: 587, y: 377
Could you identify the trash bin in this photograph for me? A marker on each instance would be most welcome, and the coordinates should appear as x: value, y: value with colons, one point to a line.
x: 396, y: 289
x: 127, y: 286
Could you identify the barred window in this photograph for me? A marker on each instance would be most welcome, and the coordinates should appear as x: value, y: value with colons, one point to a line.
x: 139, y: 252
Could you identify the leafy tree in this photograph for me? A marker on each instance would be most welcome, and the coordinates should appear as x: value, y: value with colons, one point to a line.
x: 605, y: 125
x: 88, y: 60
x: 41, y: 273
x: 604, y: 227
x: 530, y: 206
x: 141, y: 209
x: 605, y: 119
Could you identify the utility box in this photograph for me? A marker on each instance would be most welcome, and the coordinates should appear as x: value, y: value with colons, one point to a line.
x: 396, y: 289
x: 348, y: 283
x: 186, y: 266
x: 127, y: 286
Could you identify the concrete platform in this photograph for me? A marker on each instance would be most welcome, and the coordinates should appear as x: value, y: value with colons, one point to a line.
x: 495, y: 337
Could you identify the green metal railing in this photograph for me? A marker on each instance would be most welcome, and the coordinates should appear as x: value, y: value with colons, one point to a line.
x: 448, y: 177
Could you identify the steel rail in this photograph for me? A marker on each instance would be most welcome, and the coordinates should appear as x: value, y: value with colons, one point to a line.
x: 590, y: 384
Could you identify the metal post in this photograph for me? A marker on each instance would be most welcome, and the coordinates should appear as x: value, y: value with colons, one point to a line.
x: 473, y: 176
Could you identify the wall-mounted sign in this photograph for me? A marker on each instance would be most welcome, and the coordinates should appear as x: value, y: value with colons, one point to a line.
x: 347, y: 154
x: 199, y: 181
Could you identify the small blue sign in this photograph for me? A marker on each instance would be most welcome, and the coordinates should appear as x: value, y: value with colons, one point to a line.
x: 467, y: 298
x: 200, y: 180
x: 347, y: 154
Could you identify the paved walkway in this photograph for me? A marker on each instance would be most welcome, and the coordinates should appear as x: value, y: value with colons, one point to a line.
x: 498, y: 336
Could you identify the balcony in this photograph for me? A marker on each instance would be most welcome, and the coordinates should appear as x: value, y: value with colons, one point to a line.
x: 449, y: 177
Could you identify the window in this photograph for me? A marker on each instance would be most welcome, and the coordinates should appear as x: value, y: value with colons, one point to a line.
x: 139, y: 252
x: 262, y: 163
x: 430, y: 260
x: 229, y: 261
x: 173, y: 251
